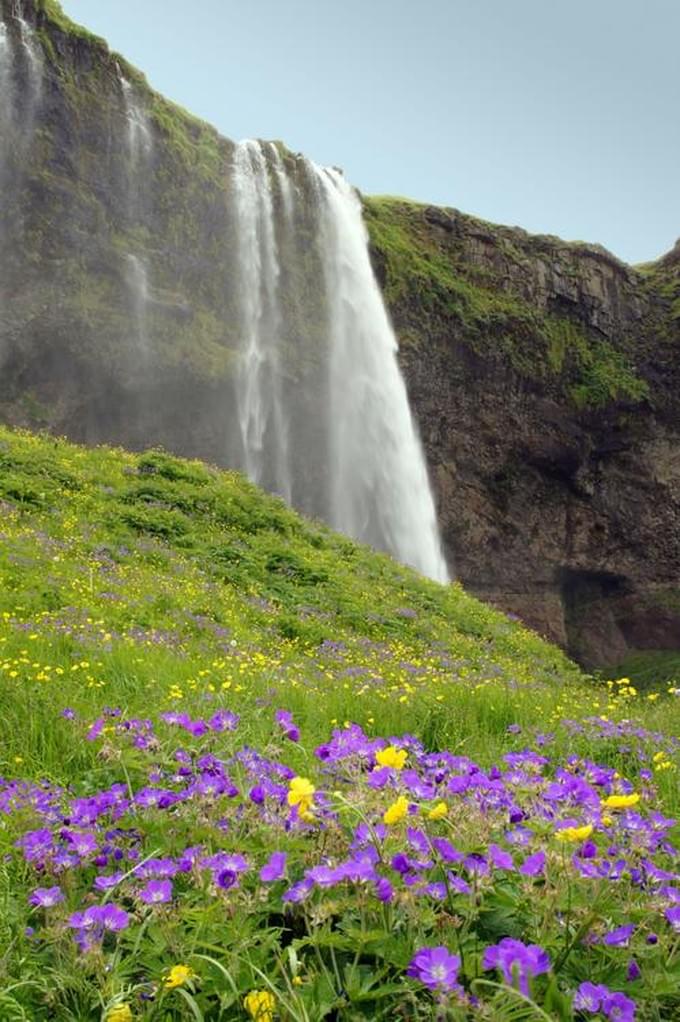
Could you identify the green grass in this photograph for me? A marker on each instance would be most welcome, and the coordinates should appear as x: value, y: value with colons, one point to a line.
x: 122, y: 541
x: 650, y: 668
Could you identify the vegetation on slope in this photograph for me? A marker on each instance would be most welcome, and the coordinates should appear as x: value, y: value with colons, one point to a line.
x: 495, y: 319
x: 253, y: 770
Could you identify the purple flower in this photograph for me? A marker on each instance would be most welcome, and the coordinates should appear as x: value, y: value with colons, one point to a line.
x: 225, y: 879
x: 673, y: 917
x: 105, y: 882
x: 156, y: 892
x: 633, y: 971
x: 274, y: 869
x: 113, y: 918
x: 618, y: 1008
x: 83, y: 843
x: 284, y: 719
x: 46, y: 897
x: 598, y: 998
x: 384, y: 891
x: 436, y: 968
x: 91, y: 925
x: 298, y: 892
x: 618, y: 937
x: 517, y: 962
x: 589, y: 997
x: 500, y: 858
x: 533, y: 865
x: 96, y: 729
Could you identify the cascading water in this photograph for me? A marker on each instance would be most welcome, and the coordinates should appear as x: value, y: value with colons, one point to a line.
x: 380, y: 489
x: 262, y: 418
x: 34, y: 63
x: 5, y: 94
x: 21, y: 87
x: 139, y: 151
x: 21, y: 84
x: 138, y: 282
x: 350, y: 452
x: 139, y: 137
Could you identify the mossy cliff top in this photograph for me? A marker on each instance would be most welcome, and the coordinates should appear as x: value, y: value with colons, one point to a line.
x: 568, y: 314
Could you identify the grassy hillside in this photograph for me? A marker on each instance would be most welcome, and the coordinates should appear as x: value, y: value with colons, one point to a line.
x: 253, y: 770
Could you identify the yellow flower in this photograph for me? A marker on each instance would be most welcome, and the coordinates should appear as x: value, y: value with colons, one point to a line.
x: 438, y: 811
x: 260, y: 1005
x: 397, y: 811
x: 621, y: 801
x: 178, y: 975
x: 301, y: 794
x: 391, y: 757
x: 121, y: 1013
x: 574, y: 833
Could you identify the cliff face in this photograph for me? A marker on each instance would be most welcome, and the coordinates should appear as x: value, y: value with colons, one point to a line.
x: 543, y: 375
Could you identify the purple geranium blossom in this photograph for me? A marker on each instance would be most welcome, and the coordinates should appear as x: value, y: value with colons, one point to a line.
x: 92, y: 924
x: 274, y: 869
x: 156, y: 892
x: 384, y: 891
x: 284, y: 718
x: 673, y: 917
x: 533, y: 865
x: 618, y: 1008
x: 46, y: 897
x: 436, y: 968
x: 618, y: 937
x: 633, y: 972
x: 589, y: 997
x: 517, y: 961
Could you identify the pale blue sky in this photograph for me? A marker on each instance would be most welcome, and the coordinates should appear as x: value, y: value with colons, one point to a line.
x: 562, y: 116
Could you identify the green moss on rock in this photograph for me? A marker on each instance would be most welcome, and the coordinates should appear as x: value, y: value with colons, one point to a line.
x: 457, y: 275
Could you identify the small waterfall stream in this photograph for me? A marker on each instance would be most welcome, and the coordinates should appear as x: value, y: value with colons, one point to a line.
x: 138, y: 281
x: 34, y: 63
x: 139, y: 140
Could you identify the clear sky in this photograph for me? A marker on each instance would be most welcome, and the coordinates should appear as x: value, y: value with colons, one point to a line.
x: 562, y: 116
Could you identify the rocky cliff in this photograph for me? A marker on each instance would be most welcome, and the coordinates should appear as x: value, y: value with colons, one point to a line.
x: 545, y: 377
x: 543, y: 374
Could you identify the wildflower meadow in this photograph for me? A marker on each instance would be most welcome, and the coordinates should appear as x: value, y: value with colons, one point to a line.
x: 251, y: 770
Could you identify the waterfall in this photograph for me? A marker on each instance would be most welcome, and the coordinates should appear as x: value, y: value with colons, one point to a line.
x: 5, y: 95
x: 262, y: 418
x: 139, y: 141
x: 139, y: 137
x: 138, y: 282
x: 21, y: 84
x: 21, y: 87
x: 34, y: 64
x: 380, y: 489
x: 341, y: 444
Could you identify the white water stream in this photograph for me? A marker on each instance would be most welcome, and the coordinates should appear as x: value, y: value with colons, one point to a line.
x: 361, y: 428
